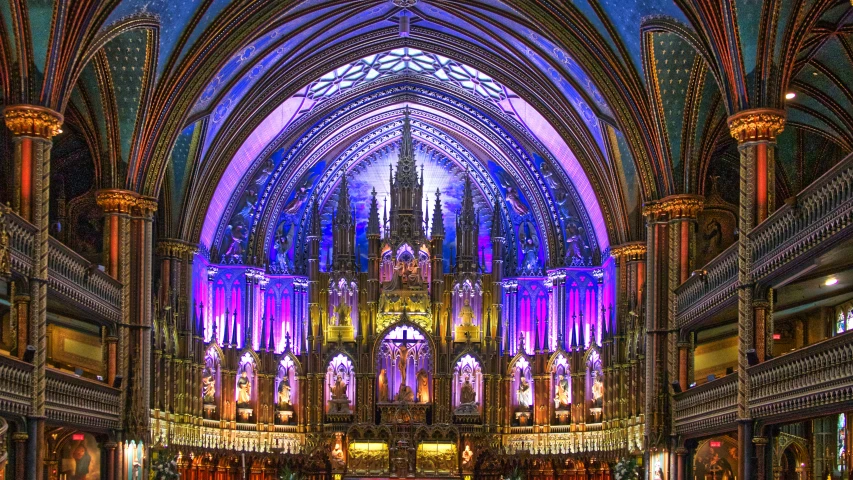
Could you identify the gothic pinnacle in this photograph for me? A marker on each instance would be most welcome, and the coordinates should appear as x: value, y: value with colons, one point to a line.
x: 437, y: 220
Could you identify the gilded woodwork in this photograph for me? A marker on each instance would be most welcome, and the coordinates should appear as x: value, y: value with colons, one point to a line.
x: 34, y: 121
x: 757, y: 125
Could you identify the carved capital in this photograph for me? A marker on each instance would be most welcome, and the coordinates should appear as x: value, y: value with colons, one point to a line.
x: 20, y: 436
x: 173, y: 248
x: 760, y: 124
x: 631, y: 251
x: 146, y: 206
x: 116, y: 201
x: 32, y: 120
x: 676, y: 206
x: 760, y: 441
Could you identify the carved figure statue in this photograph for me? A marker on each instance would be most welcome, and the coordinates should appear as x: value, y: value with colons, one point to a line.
x: 383, y: 386
x: 244, y: 389
x: 343, y: 314
x: 597, y: 390
x: 529, y: 247
x: 284, y: 392
x: 238, y: 232
x: 562, y: 396
x: 208, y: 387
x: 402, y: 363
x: 467, y: 395
x: 414, y: 272
x: 423, y: 386
x: 574, y: 244
x: 467, y: 455
x: 339, y: 388
x: 514, y: 200
x: 283, y: 242
x: 338, y: 453
x: 524, y: 395
x: 294, y: 205
x: 466, y: 313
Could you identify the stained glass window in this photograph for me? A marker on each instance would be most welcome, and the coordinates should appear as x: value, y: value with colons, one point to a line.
x: 406, y: 61
x: 840, y: 326
x: 842, y: 439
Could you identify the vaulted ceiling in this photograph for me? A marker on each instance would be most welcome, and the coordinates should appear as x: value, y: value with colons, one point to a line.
x: 231, y: 111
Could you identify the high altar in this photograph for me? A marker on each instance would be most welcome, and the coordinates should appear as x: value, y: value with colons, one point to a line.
x: 422, y: 364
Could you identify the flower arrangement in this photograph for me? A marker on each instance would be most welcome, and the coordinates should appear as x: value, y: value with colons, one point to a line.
x: 165, y: 467
x: 625, y: 469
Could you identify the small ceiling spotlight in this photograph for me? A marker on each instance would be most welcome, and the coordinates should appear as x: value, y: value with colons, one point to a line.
x: 830, y: 281
x: 790, y: 96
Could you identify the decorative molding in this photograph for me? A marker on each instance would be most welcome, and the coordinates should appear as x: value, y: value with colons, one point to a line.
x: 676, y: 206
x: 33, y: 121
x: 631, y: 251
x: 116, y: 201
x: 757, y: 125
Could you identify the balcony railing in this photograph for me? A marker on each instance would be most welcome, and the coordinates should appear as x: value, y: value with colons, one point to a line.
x: 82, y: 401
x: 821, y: 216
x: 15, y: 385
x: 71, y: 277
x: 819, y: 376
x: 707, y: 407
x: 703, y: 293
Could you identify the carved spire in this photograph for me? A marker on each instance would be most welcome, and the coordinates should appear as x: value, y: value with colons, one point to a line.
x: 406, y: 221
x: 314, y: 229
x: 234, y: 331
x: 467, y: 230
x: 343, y: 234
x: 437, y: 218
x: 497, y: 222
x: 373, y: 217
x: 271, y: 344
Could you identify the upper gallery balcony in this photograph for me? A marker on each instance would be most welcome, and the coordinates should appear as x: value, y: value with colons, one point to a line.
x: 74, y: 284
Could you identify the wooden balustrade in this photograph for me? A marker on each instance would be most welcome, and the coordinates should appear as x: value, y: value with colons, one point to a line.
x: 812, y: 380
x: 71, y: 277
x: 82, y: 401
x: 708, y: 407
x: 708, y: 290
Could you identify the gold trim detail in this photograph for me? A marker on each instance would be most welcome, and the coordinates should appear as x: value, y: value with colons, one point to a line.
x: 116, y: 201
x: 676, y: 206
x: 760, y: 124
x: 174, y: 248
x: 32, y: 120
x: 146, y: 206
x: 632, y: 251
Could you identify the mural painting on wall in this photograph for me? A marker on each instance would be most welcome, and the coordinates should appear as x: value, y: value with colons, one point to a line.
x: 715, y: 459
x: 80, y: 458
x: 717, y: 225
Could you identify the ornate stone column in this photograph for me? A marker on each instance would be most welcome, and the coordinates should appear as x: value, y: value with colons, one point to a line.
x: 630, y: 263
x: 139, y: 418
x: 32, y: 129
x: 756, y: 131
x: 20, y: 441
x: 760, y: 457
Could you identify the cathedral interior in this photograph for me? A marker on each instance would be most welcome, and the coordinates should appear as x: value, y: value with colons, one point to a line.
x: 368, y: 239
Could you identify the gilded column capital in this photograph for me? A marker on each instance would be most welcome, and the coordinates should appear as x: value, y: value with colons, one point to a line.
x: 760, y: 440
x: 32, y: 120
x: 631, y: 251
x: 20, y: 436
x: 146, y: 206
x: 759, y: 124
x: 676, y: 206
x: 174, y: 248
x: 116, y: 201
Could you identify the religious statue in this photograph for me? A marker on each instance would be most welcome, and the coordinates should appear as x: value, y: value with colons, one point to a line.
x: 562, y: 396
x: 467, y: 395
x: 524, y: 395
x: 338, y: 453
x: 343, y: 314
x: 402, y: 363
x: 467, y: 456
x: 208, y: 387
x: 238, y: 233
x: 283, y: 242
x: 574, y: 244
x: 284, y: 392
x: 339, y: 389
x: 383, y: 386
x: 529, y: 247
x: 597, y: 390
x: 423, y: 386
x: 244, y: 389
x: 414, y: 272
x: 294, y: 205
x: 467, y: 313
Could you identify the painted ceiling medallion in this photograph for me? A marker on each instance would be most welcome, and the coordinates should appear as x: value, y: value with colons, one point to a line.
x: 405, y: 3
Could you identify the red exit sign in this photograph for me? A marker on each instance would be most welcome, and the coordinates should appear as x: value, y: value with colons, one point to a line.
x: 77, y: 437
x: 716, y: 444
